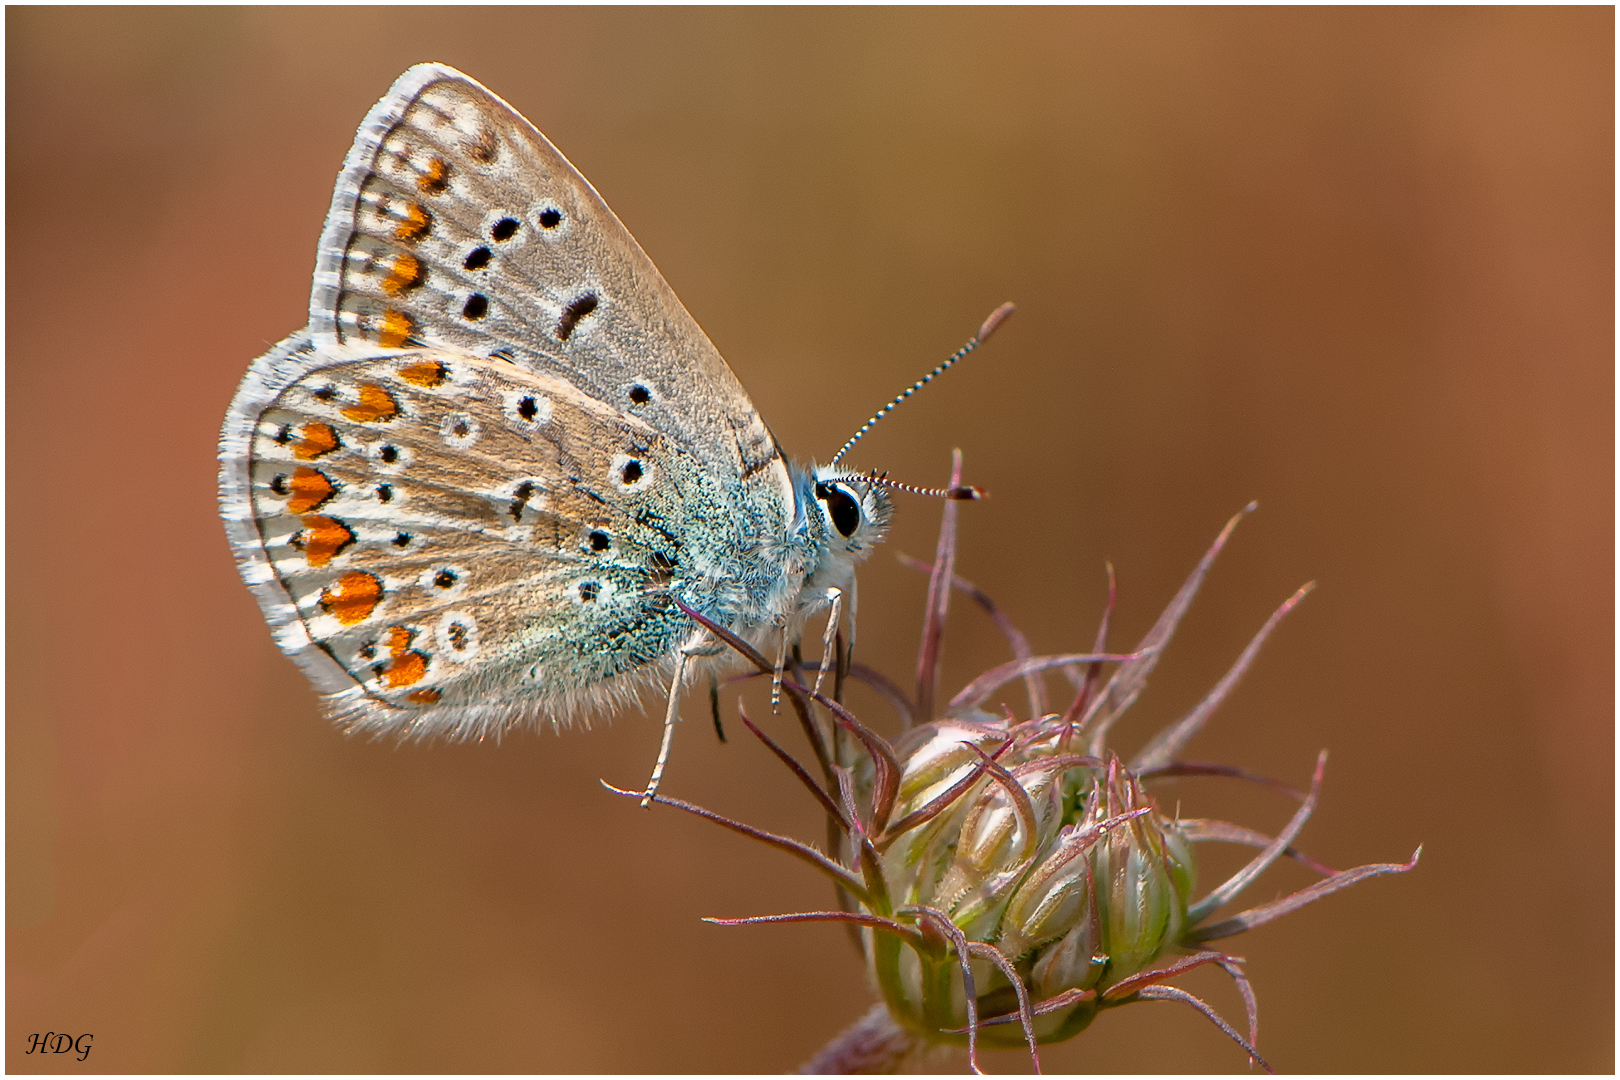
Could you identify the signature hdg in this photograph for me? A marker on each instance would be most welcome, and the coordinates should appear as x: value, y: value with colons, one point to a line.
x: 53, y: 1042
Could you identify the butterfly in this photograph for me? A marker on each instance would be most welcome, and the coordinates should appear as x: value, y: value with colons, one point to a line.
x: 468, y: 495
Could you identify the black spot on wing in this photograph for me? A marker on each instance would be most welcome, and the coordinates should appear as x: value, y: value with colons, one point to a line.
x: 574, y: 312
x: 520, y: 499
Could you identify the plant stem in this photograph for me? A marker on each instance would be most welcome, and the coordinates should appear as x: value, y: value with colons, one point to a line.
x: 873, y: 1044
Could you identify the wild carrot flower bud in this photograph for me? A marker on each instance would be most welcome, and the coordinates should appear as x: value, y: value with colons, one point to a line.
x: 1061, y: 861
x: 1012, y: 879
x: 1103, y: 899
x: 1146, y: 871
x: 931, y: 864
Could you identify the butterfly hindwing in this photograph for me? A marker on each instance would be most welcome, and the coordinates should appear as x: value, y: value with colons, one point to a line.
x: 468, y: 542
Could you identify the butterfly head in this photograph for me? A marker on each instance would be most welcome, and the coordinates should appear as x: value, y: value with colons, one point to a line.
x: 849, y: 514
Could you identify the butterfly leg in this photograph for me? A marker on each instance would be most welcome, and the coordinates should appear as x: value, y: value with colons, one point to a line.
x: 697, y: 646
x: 835, y: 601
x: 854, y: 602
x: 776, y: 676
x: 714, y: 705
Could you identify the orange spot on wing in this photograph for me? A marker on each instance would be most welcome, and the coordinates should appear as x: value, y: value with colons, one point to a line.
x: 426, y: 373
x: 353, y: 597
x: 415, y: 226
x: 423, y: 697
x: 436, y: 179
x: 375, y: 405
x: 399, y: 639
x: 395, y: 330
x: 323, y: 539
x: 404, y: 274
x: 408, y: 666
x: 315, y: 440
x: 310, y: 488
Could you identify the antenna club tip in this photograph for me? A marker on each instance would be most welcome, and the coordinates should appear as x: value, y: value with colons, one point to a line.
x: 966, y: 493
x: 996, y: 318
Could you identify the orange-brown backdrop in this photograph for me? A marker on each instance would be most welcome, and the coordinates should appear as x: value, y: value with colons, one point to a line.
x: 1355, y: 264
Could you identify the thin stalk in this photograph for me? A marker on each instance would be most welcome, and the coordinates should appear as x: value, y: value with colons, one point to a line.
x: 939, y: 600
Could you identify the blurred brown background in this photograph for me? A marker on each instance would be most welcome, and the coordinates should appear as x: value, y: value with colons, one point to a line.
x: 1355, y: 264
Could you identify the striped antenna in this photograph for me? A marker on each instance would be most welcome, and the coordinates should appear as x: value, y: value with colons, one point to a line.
x: 988, y: 327
x: 964, y: 492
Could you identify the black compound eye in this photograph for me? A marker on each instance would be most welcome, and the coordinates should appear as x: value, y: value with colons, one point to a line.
x: 841, y: 507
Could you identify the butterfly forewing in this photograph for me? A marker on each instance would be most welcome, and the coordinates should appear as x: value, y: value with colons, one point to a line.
x: 456, y: 222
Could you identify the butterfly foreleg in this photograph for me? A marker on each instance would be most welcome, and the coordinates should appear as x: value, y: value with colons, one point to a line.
x: 698, y: 645
x: 835, y: 602
x: 776, y: 675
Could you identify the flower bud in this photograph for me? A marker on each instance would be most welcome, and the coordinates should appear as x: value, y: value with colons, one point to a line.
x: 1144, y: 875
x: 994, y: 872
x: 1060, y: 861
x: 933, y: 758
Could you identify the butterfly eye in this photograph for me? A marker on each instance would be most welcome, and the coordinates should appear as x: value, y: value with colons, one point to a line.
x: 844, y: 510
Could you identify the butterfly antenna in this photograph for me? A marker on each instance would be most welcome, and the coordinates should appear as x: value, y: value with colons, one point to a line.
x: 966, y: 491
x: 988, y: 327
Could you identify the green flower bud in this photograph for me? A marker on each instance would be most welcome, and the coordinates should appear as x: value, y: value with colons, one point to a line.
x: 934, y: 758
x: 1006, y: 886
x: 1144, y: 874
x: 1060, y: 861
